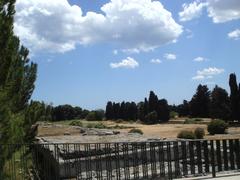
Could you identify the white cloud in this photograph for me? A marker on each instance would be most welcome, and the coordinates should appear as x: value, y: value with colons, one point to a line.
x: 200, y: 59
x: 170, y: 56
x: 156, y: 61
x: 207, y: 73
x: 125, y: 63
x: 224, y: 10
x: 58, y: 26
x: 219, y: 10
x: 191, y: 11
x: 234, y: 34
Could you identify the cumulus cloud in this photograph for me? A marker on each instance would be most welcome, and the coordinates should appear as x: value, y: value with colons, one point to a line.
x: 170, y: 56
x: 219, y: 10
x: 222, y: 11
x: 234, y: 34
x: 156, y: 61
x: 58, y: 26
x: 191, y: 11
x: 207, y: 73
x: 200, y: 59
x: 129, y: 63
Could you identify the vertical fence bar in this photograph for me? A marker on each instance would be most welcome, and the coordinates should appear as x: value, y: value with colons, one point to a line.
x: 213, y: 158
x: 169, y: 160
x: 218, y: 153
x: 176, y: 159
x: 184, y: 157
x: 192, y: 157
x: 237, y: 149
x: 117, y: 161
x: 231, y: 151
x: 225, y: 155
x: 153, y: 160
x: 144, y: 160
x: 126, y: 161
x: 199, y: 156
x: 206, y: 156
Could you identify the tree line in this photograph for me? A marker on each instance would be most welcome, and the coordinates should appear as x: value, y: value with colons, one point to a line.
x: 216, y: 104
x: 151, y: 110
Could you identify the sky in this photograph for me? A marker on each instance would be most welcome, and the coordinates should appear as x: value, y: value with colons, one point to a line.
x: 89, y: 51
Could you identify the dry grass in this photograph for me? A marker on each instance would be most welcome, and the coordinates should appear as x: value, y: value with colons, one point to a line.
x: 167, y: 130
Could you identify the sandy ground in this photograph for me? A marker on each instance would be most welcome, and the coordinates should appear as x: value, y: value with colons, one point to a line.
x: 168, y: 130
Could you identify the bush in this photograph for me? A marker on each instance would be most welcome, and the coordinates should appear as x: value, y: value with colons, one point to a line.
x: 95, y: 115
x: 173, y: 115
x: 76, y: 123
x: 135, y: 130
x: 217, y: 127
x: 186, y: 135
x: 100, y: 126
x: 199, y: 133
x: 192, y: 121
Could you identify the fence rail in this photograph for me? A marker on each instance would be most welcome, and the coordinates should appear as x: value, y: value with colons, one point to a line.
x: 132, y: 160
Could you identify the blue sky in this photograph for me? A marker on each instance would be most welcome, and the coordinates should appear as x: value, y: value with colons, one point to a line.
x: 123, y: 49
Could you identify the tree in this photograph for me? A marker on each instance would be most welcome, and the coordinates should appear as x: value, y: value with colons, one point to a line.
x: 163, y: 111
x: 109, y: 110
x: 17, y: 77
x: 199, y: 105
x: 220, y: 104
x: 234, y: 97
x: 152, y: 102
x: 183, y: 109
x: 151, y: 117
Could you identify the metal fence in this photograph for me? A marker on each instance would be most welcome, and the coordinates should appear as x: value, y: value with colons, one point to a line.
x: 136, y: 160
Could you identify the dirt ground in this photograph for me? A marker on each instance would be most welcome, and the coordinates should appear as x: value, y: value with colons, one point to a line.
x: 168, y: 130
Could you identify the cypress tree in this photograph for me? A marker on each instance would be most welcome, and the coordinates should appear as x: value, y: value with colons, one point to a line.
x: 234, y: 97
x: 152, y: 102
x: 163, y: 110
x: 109, y: 111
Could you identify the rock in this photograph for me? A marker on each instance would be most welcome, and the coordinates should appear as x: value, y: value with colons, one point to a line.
x: 66, y: 134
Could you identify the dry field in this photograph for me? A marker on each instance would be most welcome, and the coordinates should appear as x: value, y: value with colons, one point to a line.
x: 168, y: 130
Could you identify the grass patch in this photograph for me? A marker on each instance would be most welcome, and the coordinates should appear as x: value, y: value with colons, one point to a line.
x: 193, y: 121
x: 135, y: 130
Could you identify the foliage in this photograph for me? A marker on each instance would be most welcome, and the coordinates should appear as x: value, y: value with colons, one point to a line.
x: 220, y: 104
x: 135, y: 130
x: 217, y: 127
x: 151, y: 117
x: 199, y: 105
x: 199, y: 133
x: 132, y: 111
x: 67, y: 112
x: 183, y: 109
x: 76, y: 123
x: 234, y: 97
x: 186, y: 135
x: 17, y: 78
x: 193, y: 121
x: 173, y: 114
x: 97, y: 115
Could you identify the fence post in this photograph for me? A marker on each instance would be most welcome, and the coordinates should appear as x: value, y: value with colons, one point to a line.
x: 213, y: 159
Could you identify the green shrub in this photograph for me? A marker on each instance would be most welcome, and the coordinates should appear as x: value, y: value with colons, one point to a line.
x: 100, y: 126
x: 173, y: 114
x: 199, y: 133
x: 135, y: 130
x: 192, y: 121
x: 186, y: 135
x: 76, y: 123
x: 217, y: 127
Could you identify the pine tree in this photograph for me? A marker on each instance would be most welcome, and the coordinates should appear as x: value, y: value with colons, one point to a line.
x: 199, y: 105
x: 17, y: 77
